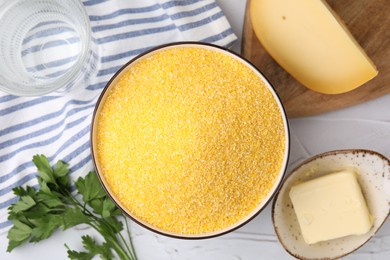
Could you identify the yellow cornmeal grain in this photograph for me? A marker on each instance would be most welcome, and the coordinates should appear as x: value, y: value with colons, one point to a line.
x: 190, y: 140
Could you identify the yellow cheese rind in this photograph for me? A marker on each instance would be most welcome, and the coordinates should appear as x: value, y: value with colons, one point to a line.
x: 312, y: 44
x: 330, y: 207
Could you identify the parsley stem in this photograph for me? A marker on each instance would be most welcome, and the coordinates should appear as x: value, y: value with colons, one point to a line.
x: 123, y: 255
x: 132, y: 250
x: 126, y: 245
x: 112, y: 239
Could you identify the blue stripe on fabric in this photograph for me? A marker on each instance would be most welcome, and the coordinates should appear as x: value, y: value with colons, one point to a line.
x: 125, y: 11
x: 26, y: 104
x: 31, y: 135
x: 56, y: 74
x: 97, y: 86
x: 93, y: 2
x: 146, y: 20
x: 7, y: 203
x: 18, y: 169
x: 72, y: 40
x: 82, y: 162
x: 108, y: 71
x: 83, y: 132
x: 68, y: 142
x: 67, y: 158
x: 229, y: 44
x: 7, y: 98
x: 202, y: 22
x: 154, y: 8
x: 74, y: 153
x: 130, y: 22
x: 17, y: 183
x: 85, y: 146
x: 194, y: 12
x: 53, y: 64
x: 179, y: 3
x: 47, y: 32
x: 45, y: 117
x: 41, y: 24
x: 148, y: 31
x: 39, y: 132
x: 159, y: 18
x: 218, y: 36
x: 36, y: 144
x: 50, y: 44
x: 123, y: 55
x: 8, y: 222
x: 132, y: 34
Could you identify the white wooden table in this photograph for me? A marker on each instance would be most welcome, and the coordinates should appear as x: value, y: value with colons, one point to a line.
x: 364, y: 126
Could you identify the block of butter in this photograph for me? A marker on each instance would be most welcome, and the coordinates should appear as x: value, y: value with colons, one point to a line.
x: 312, y: 44
x: 331, y: 206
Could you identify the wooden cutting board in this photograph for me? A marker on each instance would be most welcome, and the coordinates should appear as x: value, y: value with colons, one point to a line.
x: 369, y: 22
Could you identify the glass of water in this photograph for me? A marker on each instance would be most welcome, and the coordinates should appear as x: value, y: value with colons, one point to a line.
x: 45, y: 45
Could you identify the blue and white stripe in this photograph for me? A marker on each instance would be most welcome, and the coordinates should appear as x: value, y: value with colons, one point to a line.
x: 58, y: 124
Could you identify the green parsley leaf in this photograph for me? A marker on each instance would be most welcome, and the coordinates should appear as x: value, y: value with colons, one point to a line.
x: 45, y: 226
x: 20, y: 191
x: 115, y: 225
x: 61, y: 174
x: 90, y: 187
x: 23, y: 204
x: 51, y: 200
x: 108, y: 208
x: 95, y: 249
x: 97, y: 206
x: 61, y: 169
x: 18, y: 234
x: 92, y: 248
x: 43, y: 187
x: 39, y: 213
x: 44, y: 169
x: 73, y: 217
x: 74, y: 255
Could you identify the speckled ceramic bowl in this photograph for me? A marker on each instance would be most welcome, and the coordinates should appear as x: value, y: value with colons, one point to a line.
x: 374, y: 179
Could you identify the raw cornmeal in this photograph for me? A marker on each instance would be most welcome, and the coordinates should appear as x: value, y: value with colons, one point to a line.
x: 190, y: 140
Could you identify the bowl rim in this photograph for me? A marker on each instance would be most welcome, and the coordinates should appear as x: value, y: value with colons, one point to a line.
x: 313, y: 158
x: 282, y: 170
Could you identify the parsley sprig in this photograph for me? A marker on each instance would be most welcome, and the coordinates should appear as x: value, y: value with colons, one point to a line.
x: 38, y: 213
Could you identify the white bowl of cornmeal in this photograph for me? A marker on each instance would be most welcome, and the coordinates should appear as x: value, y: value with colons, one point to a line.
x: 190, y: 140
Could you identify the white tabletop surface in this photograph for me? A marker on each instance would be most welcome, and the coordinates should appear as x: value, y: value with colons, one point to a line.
x: 364, y: 126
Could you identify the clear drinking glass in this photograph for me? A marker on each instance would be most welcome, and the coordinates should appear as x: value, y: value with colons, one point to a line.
x: 44, y: 45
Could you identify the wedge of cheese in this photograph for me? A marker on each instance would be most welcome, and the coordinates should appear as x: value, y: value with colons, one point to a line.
x: 311, y: 43
x: 331, y: 206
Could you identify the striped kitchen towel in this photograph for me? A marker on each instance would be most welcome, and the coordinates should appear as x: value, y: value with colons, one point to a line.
x: 58, y: 124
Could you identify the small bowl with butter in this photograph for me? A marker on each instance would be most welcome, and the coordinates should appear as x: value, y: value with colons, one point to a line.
x: 332, y: 204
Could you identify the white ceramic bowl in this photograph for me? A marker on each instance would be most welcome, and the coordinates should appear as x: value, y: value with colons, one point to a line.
x: 241, y: 222
x: 374, y: 179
